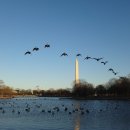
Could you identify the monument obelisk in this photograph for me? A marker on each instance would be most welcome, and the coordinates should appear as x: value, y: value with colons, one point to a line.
x: 76, y: 71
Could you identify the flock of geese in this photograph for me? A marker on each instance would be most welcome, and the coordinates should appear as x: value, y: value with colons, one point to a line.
x: 31, y: 106
x: 77, y: 55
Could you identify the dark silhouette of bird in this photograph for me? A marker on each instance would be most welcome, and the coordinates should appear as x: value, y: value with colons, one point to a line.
x: 18, y: 112
x: 43, y: 110
x: 27, y: 109
x: 64, y: 54
x: 78, y: 54
x: 111, y: 70
x: 87, y: 111
x: 35, y: 49
x: 70, y: 113
x: 73, y: 111
x: 66, y: 109
x: 104, y: 62
x: 28, y: 52
x: 49, y: 111
x: 88, y: 57
x: 82, y: 113
x: 101, y: 110
x: 76, y: 109
x: 47, y: 46
x: 97, y: 59
x: 115, y: 73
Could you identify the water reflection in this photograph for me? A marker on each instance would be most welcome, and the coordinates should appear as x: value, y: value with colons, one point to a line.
x: 77, y: 118
x: 77, y: 123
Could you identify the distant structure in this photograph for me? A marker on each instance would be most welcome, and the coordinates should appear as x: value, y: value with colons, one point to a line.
x: 76, y: 72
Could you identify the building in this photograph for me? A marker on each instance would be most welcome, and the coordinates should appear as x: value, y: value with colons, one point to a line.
x: 76, y: 71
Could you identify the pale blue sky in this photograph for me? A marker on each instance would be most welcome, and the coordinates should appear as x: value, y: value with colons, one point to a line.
x: 97, y: 28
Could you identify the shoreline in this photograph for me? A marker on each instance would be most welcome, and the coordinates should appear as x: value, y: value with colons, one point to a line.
x: 73, y: 98
x: 6, y: 97
x: 96, y: 98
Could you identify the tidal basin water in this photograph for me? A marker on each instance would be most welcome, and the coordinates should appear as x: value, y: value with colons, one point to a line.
x: 63, y: 114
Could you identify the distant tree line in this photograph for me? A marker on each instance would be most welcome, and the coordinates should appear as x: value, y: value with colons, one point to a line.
x: 23, y: 92
x: 118, y: 87
x: 53, y: 93
x: 114, y: 88
x: 45, y: 93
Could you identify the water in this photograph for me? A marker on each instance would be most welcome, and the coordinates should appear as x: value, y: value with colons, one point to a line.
x: 50, y: 114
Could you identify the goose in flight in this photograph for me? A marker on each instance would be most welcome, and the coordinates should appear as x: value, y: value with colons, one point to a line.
x: 78, y: 54
x: 97, y: 59
x: 88, y: 57
x: 28, y: 52
x: 47, y: 46
x: 104, y: 62
x: 64, y: 54
x: 35, y: 49
x: 111, y: 70
x: 115, y: 73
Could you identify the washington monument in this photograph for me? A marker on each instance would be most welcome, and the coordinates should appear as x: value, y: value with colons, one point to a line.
x: 76, y: 71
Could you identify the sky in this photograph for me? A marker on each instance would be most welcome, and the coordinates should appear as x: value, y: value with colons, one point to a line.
x: 96, y: 28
